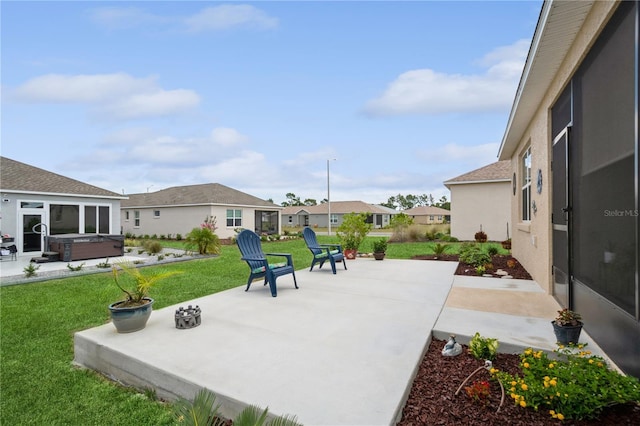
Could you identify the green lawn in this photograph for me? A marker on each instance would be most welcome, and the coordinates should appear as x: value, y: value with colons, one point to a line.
x: 38, y: 383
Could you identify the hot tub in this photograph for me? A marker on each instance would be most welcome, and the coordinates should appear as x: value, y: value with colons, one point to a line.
x: 86, y: 246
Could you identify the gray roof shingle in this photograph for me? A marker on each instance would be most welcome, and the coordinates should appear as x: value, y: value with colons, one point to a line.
x: 498, y: 171
x: 340, y: 207
x: 207, y: 193
x: 17, y: 176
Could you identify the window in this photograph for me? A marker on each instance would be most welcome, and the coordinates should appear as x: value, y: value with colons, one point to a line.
x: 64, y: 219
x: 526, y: 185
x: 126, y: 215
x: 334, y: 219
x: 234, y: 218
x: 440, y: 217
x: 156, y: 213
x: 136, y: 218
x: 431, y: 217
x: 290, y: 219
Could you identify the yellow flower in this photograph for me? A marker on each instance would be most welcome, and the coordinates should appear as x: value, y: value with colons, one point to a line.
x: 560, y: 416
x: 493, y: 371
x: 525, y: 365
x: 553, y: 382
x: 600, y: 364
x: 513, y: 389
x: 581, y: 345
x: 547, y: 378
x: 528, y: 351
x: 546, y: 384
x: 524, y: 387
x: 523, y: 403
x: 551, y: 365
x: 590, y: 361
x: 552, y: 412
x: 513, y: 383
x: 514, y: 396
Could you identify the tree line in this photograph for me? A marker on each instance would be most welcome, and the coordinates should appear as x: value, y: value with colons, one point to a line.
x: 397, y: 202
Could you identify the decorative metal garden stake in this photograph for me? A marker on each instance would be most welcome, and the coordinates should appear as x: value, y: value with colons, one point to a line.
x: 488, y: 365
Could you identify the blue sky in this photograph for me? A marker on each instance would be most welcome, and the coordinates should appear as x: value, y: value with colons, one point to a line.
x: 137, y: 96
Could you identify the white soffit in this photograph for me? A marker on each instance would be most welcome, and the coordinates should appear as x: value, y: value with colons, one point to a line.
x: 558, y: 25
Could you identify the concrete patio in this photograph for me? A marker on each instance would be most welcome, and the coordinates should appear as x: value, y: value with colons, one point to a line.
x: 341, y: 350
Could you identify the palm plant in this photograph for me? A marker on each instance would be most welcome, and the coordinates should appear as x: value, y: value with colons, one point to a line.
x: 137, y: 291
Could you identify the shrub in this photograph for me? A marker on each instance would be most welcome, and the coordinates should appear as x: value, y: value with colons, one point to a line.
x: 414, y: 234
x: 204, y: 240
x: 31, y: 270
x: 75, y: 268
x: 163, y: 237
x: 492, y: 250
x: 483, y: 347
x: 430, y: 235
x: 480, y: 236
x: 473, y: 255
x: 353, y: 229
x: 576, y: 385
x: 179, y: 237
x: 130, y: 242
x: 152, y: 247
x: 400, y: 223
x: 154, y: 237
x: 439, y: 249
x: 380, y: 246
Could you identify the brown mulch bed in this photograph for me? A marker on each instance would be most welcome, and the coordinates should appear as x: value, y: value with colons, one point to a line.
x: 432, y: 400
x: 498, y: 261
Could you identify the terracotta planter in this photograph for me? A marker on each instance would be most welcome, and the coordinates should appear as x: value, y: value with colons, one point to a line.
x: 566, y: 334
x: 350, y: 253
x: 130, y: 319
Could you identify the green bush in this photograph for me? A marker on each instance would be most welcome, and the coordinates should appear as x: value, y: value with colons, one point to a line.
x: 473, y: 255
x: 152, y: 247
x: 576, y: 385
x: 439, y: 249
x: 353, y: 229
x: 483, y: 347
x: 178, y: 237
x: 204, y: 240
x: 492, y: 250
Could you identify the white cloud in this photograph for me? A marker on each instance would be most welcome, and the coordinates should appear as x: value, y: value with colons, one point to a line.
x: 158, y: 103
x: 425, y: 91
x: 119, y: 95
x: 94, y: 88
x: 228, y: 16
x: 123, y: 17
x: 227, y: 136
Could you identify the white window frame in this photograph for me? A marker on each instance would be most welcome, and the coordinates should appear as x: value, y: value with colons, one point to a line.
x: 525, y: 173
x: 136, y: 218
x: 156, y: 214
x: 235, y: 217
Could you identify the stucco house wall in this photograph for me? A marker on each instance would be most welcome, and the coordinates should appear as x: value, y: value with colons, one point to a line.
x: 486, y: 205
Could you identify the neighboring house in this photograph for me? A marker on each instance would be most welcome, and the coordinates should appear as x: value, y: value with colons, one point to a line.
x: 32, y: 196
x: 428, y: 215
x: 572, y: 140
x: 318, y: 216
x: 482, y: 199
x: 179, y: 209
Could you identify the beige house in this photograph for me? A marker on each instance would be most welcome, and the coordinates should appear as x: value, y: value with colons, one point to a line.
x: 53, y: 204
x: 179, y: 209
x: 482, y: 199
x: 572, y: 142
x: 428, y: 215
x: 318, y: 215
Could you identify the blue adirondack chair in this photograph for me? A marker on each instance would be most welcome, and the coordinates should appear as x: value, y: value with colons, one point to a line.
x: 323, y: 252
x: 251, y: 249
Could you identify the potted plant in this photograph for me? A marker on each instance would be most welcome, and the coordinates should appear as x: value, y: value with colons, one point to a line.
x: 567, y: 326
x: 351, y: 232
x: 379, y: 248
x: 480, y: 236
x: 506, y: 244
x: 133, y: 312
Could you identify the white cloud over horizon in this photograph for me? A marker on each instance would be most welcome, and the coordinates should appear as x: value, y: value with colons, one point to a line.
x: 426, y: 91
x: 118, y: 95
